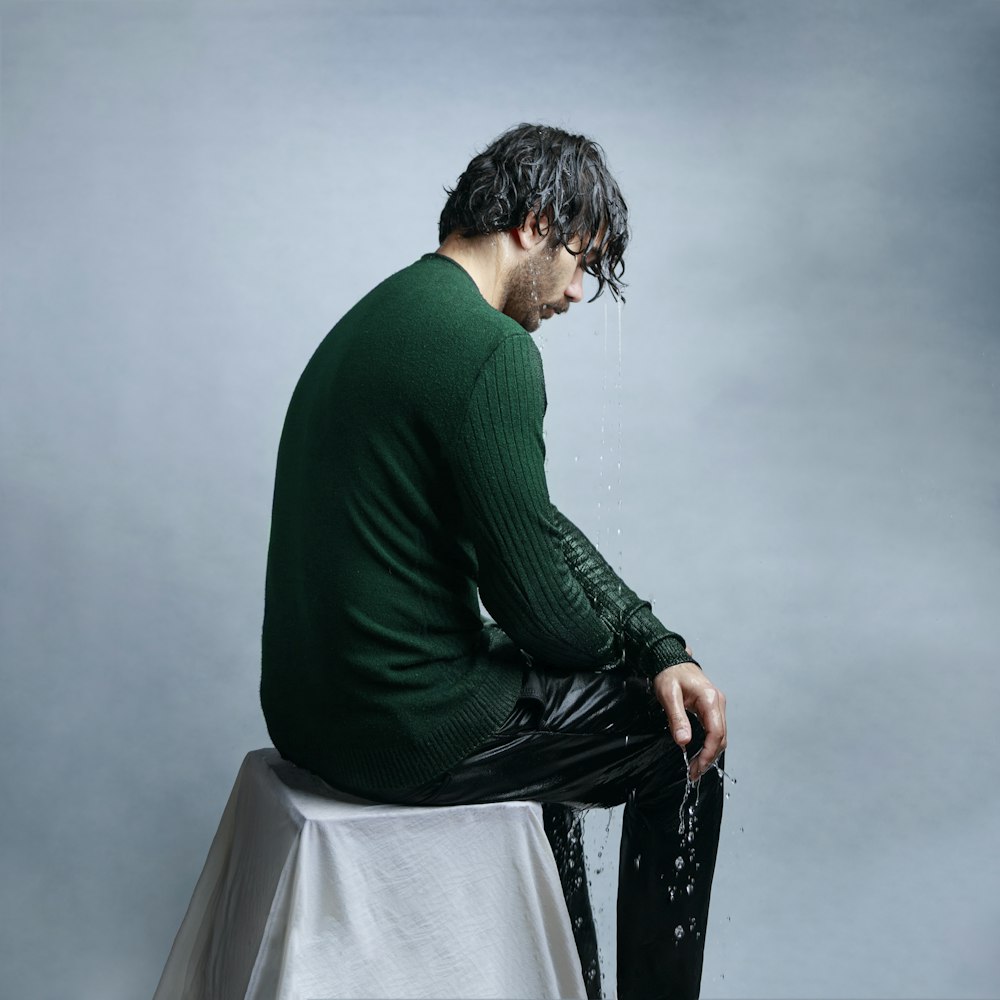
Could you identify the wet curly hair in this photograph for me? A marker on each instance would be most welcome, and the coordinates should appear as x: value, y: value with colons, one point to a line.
x: 563, y: 178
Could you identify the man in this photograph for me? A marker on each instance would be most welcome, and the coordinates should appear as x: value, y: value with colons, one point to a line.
x: 410, y: 484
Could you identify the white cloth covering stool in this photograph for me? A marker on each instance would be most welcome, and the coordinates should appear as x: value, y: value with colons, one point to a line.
x: 308, y: 894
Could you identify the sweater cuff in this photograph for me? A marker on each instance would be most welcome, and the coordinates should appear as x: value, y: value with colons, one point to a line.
x: 667, y: 652
x: 652, y: 646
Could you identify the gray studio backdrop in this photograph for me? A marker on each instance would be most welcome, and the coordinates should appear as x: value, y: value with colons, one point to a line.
x: 787, y: 437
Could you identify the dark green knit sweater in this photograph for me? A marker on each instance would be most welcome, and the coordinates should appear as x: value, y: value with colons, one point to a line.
x: 410, y: 475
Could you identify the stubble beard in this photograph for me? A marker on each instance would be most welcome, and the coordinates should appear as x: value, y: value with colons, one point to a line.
x: 523, y: 303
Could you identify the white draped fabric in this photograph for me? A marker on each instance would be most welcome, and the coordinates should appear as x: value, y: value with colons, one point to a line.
x: 308, y: 894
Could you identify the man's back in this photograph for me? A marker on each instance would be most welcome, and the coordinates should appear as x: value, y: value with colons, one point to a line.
x: 410, y: 480
x: 371, y: 580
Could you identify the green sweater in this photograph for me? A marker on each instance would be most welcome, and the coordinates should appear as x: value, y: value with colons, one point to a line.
x: 410, y: 481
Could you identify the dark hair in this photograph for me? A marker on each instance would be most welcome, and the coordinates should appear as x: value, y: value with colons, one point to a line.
x: 563, y: 178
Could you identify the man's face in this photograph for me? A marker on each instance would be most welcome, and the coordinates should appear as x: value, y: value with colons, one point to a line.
x: 544, y: 285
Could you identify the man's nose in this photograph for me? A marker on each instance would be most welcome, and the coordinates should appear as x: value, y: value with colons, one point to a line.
x: 574, y: 290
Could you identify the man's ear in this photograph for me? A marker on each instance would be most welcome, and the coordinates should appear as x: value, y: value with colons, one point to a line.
x: 534, y: 230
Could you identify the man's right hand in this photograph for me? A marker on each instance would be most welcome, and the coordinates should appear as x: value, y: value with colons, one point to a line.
x: 684, y: 688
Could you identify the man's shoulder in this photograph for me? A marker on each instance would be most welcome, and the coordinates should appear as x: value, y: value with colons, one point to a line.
x: 434, y: 306
x: 432, y: 278
x: 422, y: 338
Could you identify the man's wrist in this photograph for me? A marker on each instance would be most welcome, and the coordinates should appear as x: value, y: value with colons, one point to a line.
x: 669, y: 651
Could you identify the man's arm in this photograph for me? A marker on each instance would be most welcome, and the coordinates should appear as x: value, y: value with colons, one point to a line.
x: 649, y: 646
x: 498, y: 463
x: 539, y: 577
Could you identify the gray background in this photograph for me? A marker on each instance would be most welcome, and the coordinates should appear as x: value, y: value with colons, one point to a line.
x: 791, y: 446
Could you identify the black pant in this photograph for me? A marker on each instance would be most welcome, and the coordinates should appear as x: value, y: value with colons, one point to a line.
x: 601, y: 739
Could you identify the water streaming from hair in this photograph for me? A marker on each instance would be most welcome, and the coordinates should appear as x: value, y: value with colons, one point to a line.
x: 680, y: 881
x: 618, y: 395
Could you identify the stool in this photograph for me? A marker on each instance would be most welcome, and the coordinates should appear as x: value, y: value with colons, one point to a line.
x: 309, y: 894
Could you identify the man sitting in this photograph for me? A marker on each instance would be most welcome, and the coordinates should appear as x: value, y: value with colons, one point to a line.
x: 410, y: 485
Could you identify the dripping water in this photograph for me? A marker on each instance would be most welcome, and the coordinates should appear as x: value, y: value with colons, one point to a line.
x: 618, y: 399
x: 604, y: 436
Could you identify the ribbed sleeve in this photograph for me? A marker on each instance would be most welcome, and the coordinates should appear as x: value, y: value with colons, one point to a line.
x: 649, y: 646
x: 545, y: 584
x: 524, y: 580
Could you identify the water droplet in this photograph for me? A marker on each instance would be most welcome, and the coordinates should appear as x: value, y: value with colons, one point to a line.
x: 678, y: 932
x: 689, y: 888
x: 690, y: 836
x: 679, y: 863
x: 638, y: 859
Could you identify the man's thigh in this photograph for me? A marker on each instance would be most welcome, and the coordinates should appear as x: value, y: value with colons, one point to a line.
x: 583, y: 738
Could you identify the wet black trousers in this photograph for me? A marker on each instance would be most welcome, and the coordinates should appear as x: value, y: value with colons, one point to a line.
x: 601, y: 739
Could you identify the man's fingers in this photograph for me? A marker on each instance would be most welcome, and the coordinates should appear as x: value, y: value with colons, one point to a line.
x: 682, y: 688
x: 711, y: 711
x: 672, y: 700
x: 680, y: 730
x: 706, y: 756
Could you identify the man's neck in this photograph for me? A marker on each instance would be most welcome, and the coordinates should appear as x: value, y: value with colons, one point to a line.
x: 487, y: 261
